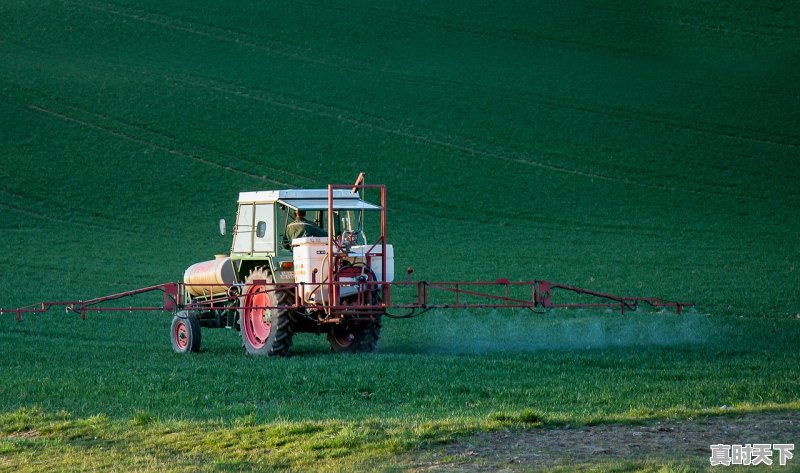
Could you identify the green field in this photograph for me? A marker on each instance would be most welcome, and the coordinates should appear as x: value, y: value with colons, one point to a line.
x: 651, y: 151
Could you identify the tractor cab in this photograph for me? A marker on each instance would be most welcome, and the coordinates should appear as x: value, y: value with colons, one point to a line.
x: 301, y: 260
x: 267, y: 222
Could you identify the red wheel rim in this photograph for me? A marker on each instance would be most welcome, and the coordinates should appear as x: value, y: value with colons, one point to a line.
x: 256, y: 321
x: 181, y: 335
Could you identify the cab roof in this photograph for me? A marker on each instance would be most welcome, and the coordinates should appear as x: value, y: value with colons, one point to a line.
x: 309, y: 199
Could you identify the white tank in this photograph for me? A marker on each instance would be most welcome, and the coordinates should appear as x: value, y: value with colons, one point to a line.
x: 359, y: 253
x: 310, y: 254
x: 212, y: 277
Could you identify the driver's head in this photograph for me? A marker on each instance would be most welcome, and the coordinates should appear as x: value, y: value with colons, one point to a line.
x: 298, y: 214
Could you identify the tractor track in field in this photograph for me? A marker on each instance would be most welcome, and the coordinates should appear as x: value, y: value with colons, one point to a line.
x: 48, y: 209
x: 179, y: 142
x: 637, y: 14
x: 227, y: 35
x: 721, y: 29
x: 453, y: 25
x: 554, y: 224
x: 329, y: 112
x: 32, y: 213
x: 149, y: 143
x: 345, y: 116
x: 514, y: 96
x: 112, y: 125
x: 191, y: 26
x: 341, y: 114
x: 227, y: 89
x: 460, y: 26
x: 335, y: 113
x: 251, y: 40
x: 109, y: 225
x: 52, y: 217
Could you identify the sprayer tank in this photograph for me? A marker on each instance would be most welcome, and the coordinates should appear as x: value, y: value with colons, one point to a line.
x: 209, y: 277
x: 311, y: 266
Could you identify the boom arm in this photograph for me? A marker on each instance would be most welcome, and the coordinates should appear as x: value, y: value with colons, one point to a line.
x: 421, y: 295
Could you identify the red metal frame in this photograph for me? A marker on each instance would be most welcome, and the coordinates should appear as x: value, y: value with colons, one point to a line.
x: 173, y: 301
x: 544, y: 290
x: 335, y: 249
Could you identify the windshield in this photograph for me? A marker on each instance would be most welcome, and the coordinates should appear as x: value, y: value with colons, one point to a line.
x: 345, y: 222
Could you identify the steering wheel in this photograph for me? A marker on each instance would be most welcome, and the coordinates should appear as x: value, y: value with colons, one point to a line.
x: 348, y: 237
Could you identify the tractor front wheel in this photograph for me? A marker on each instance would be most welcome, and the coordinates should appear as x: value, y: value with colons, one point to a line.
x: 185, y: 332
x: 265, y: 332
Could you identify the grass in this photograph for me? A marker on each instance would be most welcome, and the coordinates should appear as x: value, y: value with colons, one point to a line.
x: 402, y: 382
x: 644, y: 153
x: 130, y: 400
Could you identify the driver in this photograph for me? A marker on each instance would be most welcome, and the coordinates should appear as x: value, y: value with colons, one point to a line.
x: 301, y: 227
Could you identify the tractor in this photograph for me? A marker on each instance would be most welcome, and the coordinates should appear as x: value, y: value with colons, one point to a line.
x: 300, y: 261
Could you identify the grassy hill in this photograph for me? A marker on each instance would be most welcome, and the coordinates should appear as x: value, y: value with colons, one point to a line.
x: 651, y: 152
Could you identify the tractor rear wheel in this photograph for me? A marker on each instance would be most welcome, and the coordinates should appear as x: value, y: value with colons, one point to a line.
x: 265, y: 332
x: 185, y: 332
x: 359, y: 337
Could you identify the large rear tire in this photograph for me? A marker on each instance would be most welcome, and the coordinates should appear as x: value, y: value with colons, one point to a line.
x: 358, y: 337
x: 185, y: 332
x: 265, y: 332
